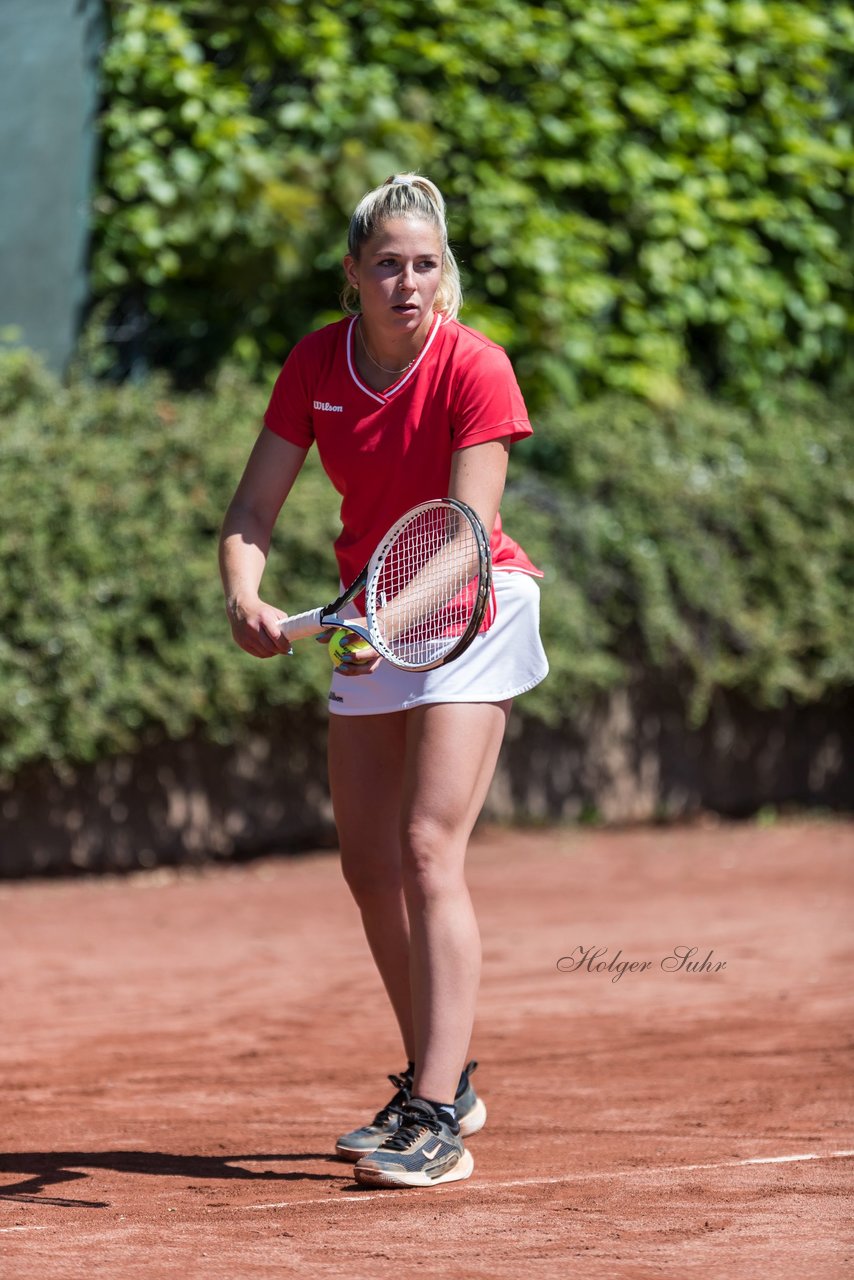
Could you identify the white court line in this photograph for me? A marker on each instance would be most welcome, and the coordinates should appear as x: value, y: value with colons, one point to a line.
x: 5, y: 1229
x: 567, y: 1177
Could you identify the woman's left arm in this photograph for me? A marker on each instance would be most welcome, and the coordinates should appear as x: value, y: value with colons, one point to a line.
x: 478, y: 473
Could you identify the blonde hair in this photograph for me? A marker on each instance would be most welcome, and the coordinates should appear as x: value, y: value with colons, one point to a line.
x: 405, y: 195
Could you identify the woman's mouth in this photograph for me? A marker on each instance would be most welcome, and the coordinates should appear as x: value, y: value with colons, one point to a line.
x: 404, y: 308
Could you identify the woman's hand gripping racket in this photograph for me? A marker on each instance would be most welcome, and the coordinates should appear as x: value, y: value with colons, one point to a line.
x: 426, y: 588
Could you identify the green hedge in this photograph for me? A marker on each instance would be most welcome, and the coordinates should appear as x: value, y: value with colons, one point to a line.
x: 112, y: 628
x: 708, y: 546
x: 635, y: 188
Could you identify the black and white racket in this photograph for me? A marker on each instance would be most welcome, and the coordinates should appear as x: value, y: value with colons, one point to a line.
x: 426, y: 588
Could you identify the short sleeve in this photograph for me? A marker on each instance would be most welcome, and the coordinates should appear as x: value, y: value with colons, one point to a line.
x: 290, y: 411
x: 488, y: 404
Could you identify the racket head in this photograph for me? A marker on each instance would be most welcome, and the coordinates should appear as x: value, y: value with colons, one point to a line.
x: 428, y: 585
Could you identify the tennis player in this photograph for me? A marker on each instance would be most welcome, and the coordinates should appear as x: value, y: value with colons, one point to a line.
x: 405, y: 404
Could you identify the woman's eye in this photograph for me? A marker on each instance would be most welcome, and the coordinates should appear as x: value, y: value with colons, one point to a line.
x: 425, y: 264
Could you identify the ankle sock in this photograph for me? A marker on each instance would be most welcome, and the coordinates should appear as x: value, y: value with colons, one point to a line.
x: 446, y: 1111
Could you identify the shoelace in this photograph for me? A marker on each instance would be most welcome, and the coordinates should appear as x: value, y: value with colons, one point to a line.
x: 404, y: 1091
x: 413, y: 1123
x: 403, y: 1084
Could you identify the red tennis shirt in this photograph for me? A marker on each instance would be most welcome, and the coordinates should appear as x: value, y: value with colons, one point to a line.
x: 386, y: 451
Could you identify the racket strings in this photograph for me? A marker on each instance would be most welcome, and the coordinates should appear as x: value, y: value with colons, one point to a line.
x: 427, y: 588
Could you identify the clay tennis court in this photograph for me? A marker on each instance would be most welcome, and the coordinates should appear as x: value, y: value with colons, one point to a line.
x: 181, y: 1050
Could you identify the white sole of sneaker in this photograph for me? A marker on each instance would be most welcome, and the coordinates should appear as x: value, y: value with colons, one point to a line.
x: 474, y: 1121
x: 347, y: 1154
x: 381, y: 1178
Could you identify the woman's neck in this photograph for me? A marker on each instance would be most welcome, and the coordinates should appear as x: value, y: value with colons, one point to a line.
x: 391, y: 355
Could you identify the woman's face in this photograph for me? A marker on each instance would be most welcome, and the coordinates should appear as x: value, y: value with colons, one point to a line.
x: 397, y: 274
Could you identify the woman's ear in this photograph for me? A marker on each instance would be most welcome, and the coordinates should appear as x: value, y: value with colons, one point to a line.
x: 351, y: 270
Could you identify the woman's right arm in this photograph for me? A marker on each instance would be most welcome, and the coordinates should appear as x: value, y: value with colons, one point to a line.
x: 273, y: 466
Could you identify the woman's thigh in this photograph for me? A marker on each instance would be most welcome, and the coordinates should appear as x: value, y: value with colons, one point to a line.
x: 366, y: 766
x: 451, y: 753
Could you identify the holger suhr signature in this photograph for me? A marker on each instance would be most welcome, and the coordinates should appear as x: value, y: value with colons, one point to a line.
x: 679, y: 960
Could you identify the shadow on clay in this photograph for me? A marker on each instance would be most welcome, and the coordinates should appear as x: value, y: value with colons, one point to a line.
x: 45, y: 1169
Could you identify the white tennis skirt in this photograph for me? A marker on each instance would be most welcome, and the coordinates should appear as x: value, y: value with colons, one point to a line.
x: 501, y: 663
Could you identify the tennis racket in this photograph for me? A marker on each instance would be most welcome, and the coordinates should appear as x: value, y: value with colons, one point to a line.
x: 426, y: 588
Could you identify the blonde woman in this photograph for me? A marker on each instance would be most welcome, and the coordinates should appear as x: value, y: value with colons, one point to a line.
x: 404, y: 404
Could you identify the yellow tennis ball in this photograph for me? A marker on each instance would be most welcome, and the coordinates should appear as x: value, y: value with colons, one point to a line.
x: 339, y: 650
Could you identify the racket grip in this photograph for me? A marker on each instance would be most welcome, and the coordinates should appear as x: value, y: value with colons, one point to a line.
x: 300, y: 626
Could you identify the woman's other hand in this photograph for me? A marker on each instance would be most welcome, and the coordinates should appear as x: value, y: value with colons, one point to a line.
x: 360, y: 659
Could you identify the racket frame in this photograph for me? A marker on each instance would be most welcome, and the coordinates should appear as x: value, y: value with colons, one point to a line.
x: 300, y: 626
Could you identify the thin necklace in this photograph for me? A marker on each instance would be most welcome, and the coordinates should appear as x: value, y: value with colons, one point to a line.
x: 382, y: 366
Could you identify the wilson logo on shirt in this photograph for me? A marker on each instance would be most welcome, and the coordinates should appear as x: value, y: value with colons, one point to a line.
x: 326, y: 407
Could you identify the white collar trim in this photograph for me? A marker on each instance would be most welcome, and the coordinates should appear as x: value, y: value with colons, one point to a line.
x: 382, y: 397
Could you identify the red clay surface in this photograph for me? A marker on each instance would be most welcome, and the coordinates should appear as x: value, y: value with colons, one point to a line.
x: 181, y: 1050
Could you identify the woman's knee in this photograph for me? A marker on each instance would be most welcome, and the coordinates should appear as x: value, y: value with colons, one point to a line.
x: 368, y: 877
x: 432, y: 855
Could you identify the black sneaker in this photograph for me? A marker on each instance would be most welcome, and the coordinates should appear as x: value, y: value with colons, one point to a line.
x: 471, y: 1116
x: 359, y: 1142
x: 424, y: 1152
x: 471, y: 1110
